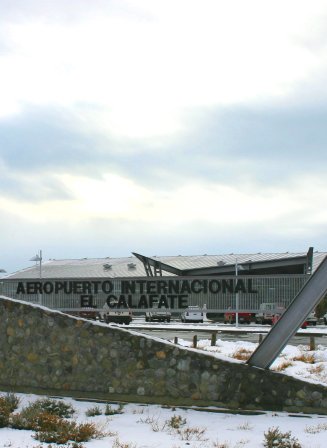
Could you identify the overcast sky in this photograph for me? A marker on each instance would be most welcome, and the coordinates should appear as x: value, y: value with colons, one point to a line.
x: 164, y: 127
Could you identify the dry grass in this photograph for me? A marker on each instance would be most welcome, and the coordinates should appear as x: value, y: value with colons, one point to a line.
x: 62, y: 431
x: 305, y: 357
x: 242, y: 354
x: 190, y: 433
x: 175, y: 425
x: 220, y: 445
x: 316, y: 429
x: 283, y: 365
x: 245, y: 426
x: 154, y: 421
x: 317, y: 369
x: 118, y: 444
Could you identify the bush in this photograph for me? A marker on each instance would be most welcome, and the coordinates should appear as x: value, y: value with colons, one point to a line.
x: 192, y: 434
x: 93, y: 411
x: 44, y: 411
x: 11, y: 400
x: 68, y: 431
x: 54, y: 407
x: 176, y: 421
x: 47, y: 417
x: 274, y: 438
x: 110, y: 411
x: 118, y: 444
x: 33, y: 420
x: 4, y: 415
x: 8, y: 403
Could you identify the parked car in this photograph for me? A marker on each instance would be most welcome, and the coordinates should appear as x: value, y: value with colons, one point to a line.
x: 243, y: 318
x: 115, y: 315
x: 267, y: 313
x: 192, y: 314
x: 157, y: 314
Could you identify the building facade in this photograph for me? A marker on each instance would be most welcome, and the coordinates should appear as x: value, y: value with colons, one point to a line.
x: 218, y: 282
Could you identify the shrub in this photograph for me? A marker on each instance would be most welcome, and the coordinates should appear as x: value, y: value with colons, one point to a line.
x: 93, y: 411
x: 110, y: 411
x: 118, y: 444
x: 8, y: 403
x: 192, y: 434
x: 4, y: 414
x: 68, y: 431
x: 23, y: 420
x: 54, y: 407
x: 176, y: 421
x: 36, y: 421
x: 33, y: 416
x: 11, y: 400
x: 274, y: 438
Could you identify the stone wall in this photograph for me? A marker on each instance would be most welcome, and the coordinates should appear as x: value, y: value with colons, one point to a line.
x: 43, y: 351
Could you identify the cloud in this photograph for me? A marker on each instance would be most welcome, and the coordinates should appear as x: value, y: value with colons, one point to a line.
x: 181, y: 126
x: 142, y: 74
x: 228, y: 146
x: 271, y: 142
x: 43, y: 139
x: 31, y: 189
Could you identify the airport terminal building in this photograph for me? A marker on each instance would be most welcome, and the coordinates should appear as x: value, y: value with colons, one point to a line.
x: 215, y: 282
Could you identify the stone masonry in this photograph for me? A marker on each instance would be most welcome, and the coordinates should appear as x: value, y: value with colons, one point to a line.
x: 47, y: 352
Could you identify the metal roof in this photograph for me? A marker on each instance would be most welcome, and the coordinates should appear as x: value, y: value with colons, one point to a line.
x: 133, y: 267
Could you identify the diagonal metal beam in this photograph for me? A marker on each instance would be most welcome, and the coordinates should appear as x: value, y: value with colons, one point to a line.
x: 158, y: 265
x: 302, y: 305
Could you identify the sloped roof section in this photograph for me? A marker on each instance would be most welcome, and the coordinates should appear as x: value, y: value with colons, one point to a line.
x: 83, y: 268
x: 253, y: 263
x: 249, y: 264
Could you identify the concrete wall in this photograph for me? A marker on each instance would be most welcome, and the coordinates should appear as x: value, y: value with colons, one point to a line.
x: 43, y: 351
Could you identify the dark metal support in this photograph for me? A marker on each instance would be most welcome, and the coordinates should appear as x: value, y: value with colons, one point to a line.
x: 304, y: 302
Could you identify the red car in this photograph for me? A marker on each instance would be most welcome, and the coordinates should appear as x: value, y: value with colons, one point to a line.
x: 243, y: 318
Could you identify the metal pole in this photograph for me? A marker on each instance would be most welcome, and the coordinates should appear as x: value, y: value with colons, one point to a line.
x: 237, y: 296
x: 40, y: 260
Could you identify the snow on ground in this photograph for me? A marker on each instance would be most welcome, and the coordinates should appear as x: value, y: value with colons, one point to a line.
x: 297, y: 361
x: 142, y: 426
x: 147, y: 426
